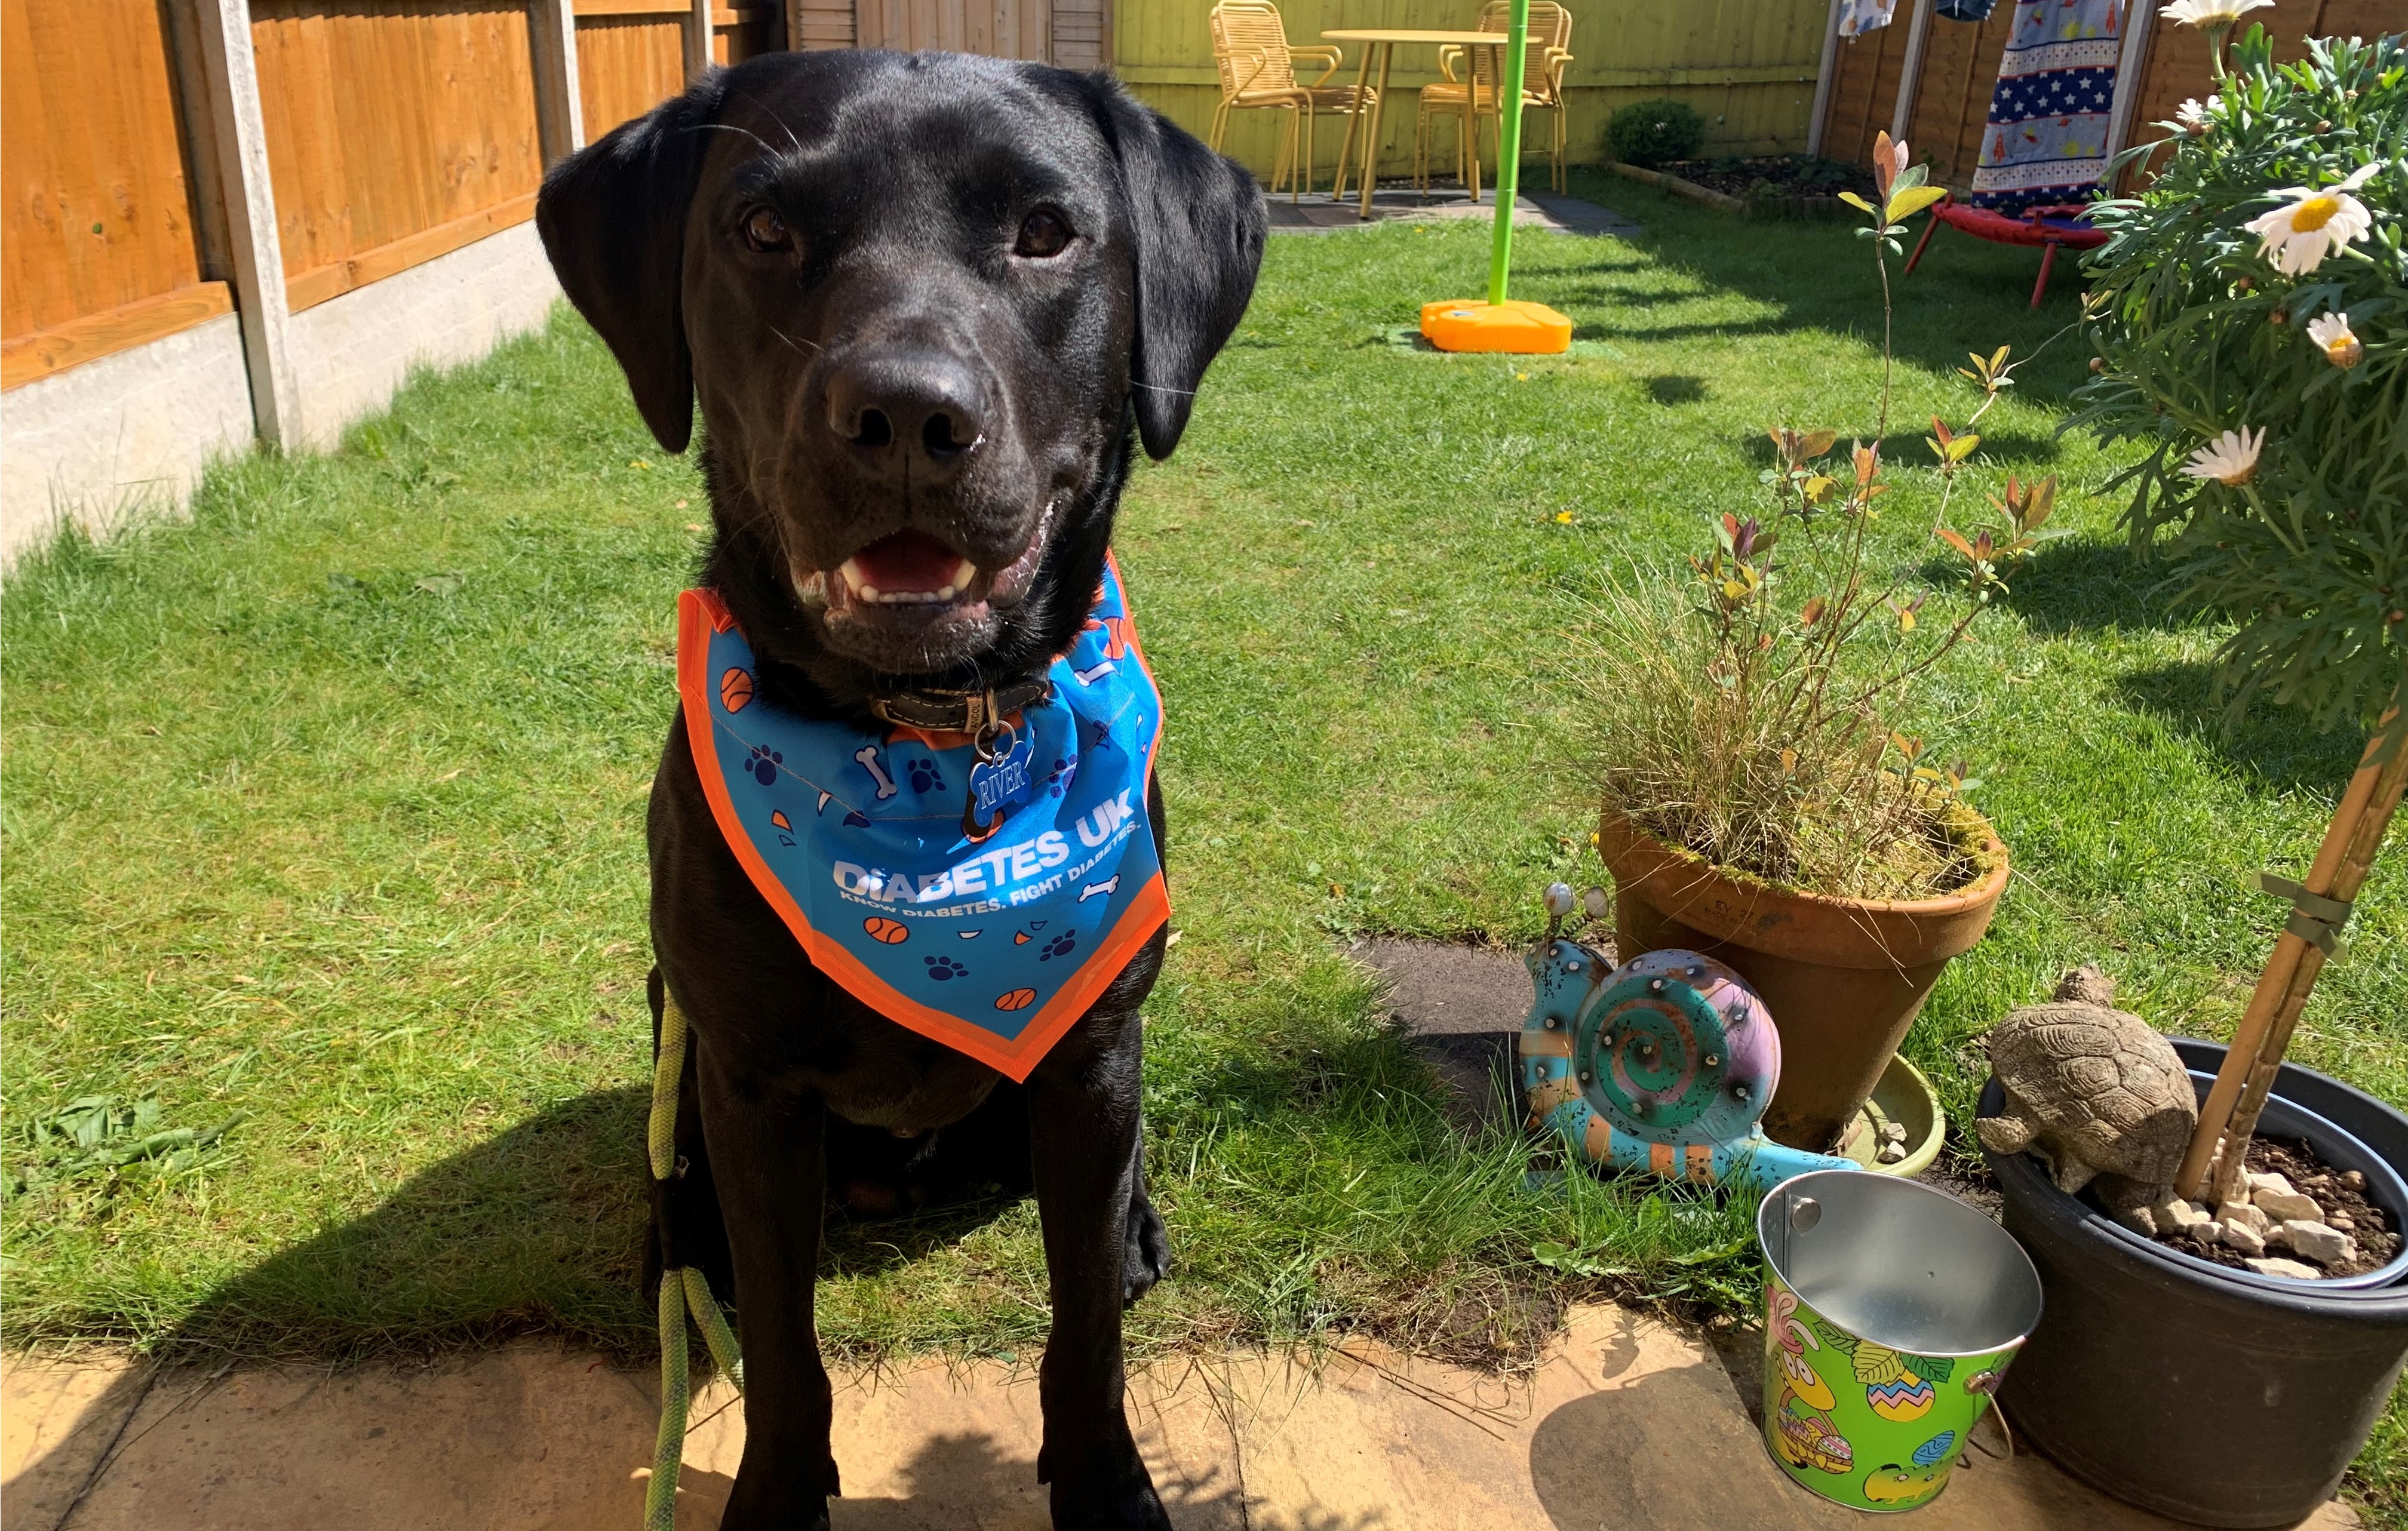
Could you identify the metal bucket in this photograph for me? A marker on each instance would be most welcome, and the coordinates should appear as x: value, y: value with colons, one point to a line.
x: 1890, y: 1311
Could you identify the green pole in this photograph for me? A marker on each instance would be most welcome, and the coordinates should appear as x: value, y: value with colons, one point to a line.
x: 1508, y: 150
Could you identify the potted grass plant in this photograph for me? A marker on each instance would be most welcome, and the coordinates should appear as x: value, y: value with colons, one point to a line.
x: 2251, y: 325
x: 1763, y: 801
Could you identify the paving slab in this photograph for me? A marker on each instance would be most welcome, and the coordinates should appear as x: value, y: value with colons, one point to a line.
x: 1631, y: 1424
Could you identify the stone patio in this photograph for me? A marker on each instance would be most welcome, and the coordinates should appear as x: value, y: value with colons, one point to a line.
x: 1631, y: 1424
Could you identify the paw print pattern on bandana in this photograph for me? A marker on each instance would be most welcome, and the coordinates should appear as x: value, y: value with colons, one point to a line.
x: 1058, y: 780
x: 943, y: 969
x: 1059, y: 946
x: 764, y: 763
x: 926, y: 777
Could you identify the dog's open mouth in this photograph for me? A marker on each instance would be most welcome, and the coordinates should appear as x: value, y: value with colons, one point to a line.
x: 909, y: 579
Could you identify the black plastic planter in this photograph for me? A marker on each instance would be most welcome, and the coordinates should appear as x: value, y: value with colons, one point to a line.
x: 2189, y: 1390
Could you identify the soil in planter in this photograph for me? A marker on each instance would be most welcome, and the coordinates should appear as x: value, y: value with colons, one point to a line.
x: 1784, y: 175
x: 2378, y: 1241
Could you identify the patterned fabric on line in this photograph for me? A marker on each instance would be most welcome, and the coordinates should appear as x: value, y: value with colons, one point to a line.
x: 2046, y: 138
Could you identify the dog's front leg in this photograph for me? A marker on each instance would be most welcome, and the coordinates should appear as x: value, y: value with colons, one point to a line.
x: 768, y: 1155
x: 1083, y: 1120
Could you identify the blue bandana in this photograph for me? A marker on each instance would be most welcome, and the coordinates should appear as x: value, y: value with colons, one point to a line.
x: 992, y: 945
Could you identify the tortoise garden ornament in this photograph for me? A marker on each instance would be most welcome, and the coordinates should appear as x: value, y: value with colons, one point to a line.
x: 2094, y: 1090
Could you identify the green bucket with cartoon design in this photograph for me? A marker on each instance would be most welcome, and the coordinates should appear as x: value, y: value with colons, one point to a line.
x: 1890, y: 1311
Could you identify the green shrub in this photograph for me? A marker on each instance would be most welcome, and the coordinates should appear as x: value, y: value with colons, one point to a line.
x: 1654, y: 133
x: 2200, y: 332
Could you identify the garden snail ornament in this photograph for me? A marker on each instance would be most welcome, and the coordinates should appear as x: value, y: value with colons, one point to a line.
x: 1665, y: 1063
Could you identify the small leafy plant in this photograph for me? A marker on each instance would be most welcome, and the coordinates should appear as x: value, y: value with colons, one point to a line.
x: 1656, y: 133
x: 1755, y: 722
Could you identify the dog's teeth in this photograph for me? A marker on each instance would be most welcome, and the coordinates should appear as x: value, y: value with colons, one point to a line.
x: 868, y: 593
x: 964, y: 572
x: 946, y: 594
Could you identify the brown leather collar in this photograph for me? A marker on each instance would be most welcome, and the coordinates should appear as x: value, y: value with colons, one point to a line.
x: 960, y: 711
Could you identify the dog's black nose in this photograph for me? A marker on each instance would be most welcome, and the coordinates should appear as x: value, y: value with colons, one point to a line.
x: 913, y: 412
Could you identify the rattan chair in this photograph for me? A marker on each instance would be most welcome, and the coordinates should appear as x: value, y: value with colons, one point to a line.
x: 1257, y: 70
x: 1472, y: 98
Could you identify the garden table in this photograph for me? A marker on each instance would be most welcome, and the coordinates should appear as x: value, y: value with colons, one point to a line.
x: 1383, y: 41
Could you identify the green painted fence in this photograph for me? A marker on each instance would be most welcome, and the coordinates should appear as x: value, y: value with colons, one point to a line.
x: 1747, y: 66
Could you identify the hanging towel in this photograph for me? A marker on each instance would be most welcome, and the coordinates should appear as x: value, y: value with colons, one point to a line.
x: 2046, y: 138
x: 1858, y: 16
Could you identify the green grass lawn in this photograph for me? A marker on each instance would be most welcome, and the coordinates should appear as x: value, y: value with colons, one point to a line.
x: 325, y: 809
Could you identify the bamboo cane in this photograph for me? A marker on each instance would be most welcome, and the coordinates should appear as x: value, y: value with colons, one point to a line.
x: 2231, y: 1114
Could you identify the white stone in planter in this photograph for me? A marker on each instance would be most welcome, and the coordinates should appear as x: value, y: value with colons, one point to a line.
x: 2284, y: 1206
x: 2244, y: 1214
x: 2291, y: 1268
x: 2173, y: 1214
x: 2317, y: 1242
x: 2242, y: 1237
x: 2268, y: 1183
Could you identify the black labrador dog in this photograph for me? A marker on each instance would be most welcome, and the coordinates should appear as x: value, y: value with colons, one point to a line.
x: 925, y: 303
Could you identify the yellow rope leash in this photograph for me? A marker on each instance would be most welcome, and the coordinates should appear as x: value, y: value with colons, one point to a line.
x: 683, y: 1291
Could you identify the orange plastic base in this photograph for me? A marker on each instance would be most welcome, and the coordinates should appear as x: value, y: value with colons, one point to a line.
x: 1521, y: 329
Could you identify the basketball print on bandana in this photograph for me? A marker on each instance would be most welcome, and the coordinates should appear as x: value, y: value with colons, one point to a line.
x: 873, y: 862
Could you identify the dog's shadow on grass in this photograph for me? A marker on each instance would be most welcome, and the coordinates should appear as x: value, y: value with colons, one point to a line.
x: 539, y: 1229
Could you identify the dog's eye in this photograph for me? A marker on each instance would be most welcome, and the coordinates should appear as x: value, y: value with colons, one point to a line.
x: 765, y: 230
x: 1043, y: 234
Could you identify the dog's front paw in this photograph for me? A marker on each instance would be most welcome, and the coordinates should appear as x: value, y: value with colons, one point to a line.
x: 1147, y: 1259
x: 1120, y: 1500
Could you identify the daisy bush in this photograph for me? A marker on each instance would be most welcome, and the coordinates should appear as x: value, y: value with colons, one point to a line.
x: 2250, y: 316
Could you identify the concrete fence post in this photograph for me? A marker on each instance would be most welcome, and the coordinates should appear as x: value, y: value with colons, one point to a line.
x: 1910, y: 73
x: 258, y: 255
x: 1823, y: 74
x: 697, y: 40
x: 560, y: 110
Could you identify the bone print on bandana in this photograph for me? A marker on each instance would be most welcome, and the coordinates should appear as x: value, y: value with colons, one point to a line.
x: 993, y: 946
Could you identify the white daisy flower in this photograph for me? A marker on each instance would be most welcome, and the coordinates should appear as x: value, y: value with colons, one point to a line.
x: 2229, y: 459
x: 2332, y: 336
x: 2212, y: 13
x: 2191, y: 116
x: 2313, y: 224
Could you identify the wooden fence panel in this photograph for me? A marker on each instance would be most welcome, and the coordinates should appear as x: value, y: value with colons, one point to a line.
x: 1080, y: 37
x: 628, y: 63
x: 1864, y: 88
x: 2178, y: 66
x: 397, y: 131
x: 98, y: 248
x: 1004, y: 29
x: 738, y: 34
x: 1952, y: 100
x: 817, y: 24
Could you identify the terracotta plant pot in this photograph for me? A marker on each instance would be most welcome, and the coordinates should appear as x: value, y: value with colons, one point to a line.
x: 1843, y: 977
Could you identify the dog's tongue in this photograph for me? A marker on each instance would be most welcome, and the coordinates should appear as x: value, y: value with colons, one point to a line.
x: 911, y: 561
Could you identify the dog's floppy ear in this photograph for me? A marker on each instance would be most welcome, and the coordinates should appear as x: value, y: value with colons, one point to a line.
x: 612, y: 217
x: 1199, y: 223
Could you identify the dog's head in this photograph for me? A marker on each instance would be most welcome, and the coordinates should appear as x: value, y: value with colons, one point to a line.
x: 920, y: 298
